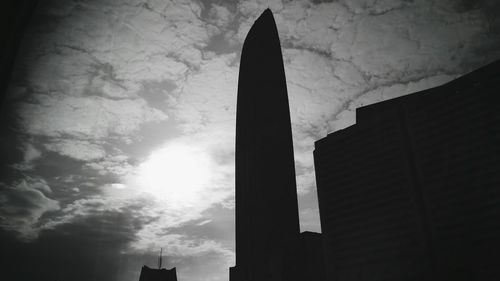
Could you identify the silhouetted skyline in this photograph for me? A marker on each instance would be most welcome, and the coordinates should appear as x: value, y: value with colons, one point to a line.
x: 110, y: 101
x: 157, y: 274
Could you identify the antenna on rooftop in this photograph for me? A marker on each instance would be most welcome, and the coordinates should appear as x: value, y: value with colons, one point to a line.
x: 160, y: 258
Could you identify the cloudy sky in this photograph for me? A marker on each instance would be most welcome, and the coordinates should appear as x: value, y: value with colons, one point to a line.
x: 121, y: 118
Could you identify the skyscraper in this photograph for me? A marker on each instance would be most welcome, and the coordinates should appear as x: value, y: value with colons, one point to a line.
x: 266, y: 196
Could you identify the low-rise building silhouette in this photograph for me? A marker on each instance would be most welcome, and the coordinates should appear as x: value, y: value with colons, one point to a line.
x: 412, y: 190
x: 159, y: 274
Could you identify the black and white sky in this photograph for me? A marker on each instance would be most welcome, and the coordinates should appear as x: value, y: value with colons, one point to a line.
x: 121, y: 118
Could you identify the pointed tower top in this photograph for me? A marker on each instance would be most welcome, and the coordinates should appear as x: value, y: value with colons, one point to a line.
x: 264, y: 28
x: 267, y: 12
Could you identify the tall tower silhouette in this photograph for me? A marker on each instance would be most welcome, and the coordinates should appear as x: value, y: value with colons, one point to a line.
x: 266, y: 196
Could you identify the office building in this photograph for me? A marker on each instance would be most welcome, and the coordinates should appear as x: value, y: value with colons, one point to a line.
x: 412, y: 190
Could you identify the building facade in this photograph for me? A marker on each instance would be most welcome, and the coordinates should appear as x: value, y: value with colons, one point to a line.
x: 412, y: 190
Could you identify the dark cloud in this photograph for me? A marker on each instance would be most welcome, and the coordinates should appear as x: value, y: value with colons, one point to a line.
x: 91, y: 248
x: 23, y: 203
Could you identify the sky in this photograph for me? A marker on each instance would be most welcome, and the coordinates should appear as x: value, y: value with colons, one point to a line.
x: 121, y: 118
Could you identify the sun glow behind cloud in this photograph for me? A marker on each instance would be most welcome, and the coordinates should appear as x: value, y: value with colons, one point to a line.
x: 177, y: 173
x: 160, y: 63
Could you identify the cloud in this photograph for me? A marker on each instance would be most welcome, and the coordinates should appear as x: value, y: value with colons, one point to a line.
x: 305, y: 181
x: 191, y: 255
x: 208, y: 95
x: 219, y: 16
x: 92, y: 246
x: 84, y: 80
x: 157, y: 215
x: 117, y: 164
x: 81, y: 150
x: 130, y: 226
x: 31, y: 155
x: 144, y: 223
x: 23, y: 203
x: 179, y: 246
x: 216, y: 223
x: 97, y: 207
x: 174, y: 29
x: 179, y: 202
x: 315, y: 91
x: 85, y: 118
x: 82, y: 127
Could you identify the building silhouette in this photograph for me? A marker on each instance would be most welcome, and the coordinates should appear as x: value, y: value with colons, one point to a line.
x: 412, y: 190
x: 303, y: 258
x: 160, y: 274
x: 268, y: 244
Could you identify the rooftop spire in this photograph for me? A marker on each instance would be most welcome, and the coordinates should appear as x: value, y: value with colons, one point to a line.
x: 160, y: 258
